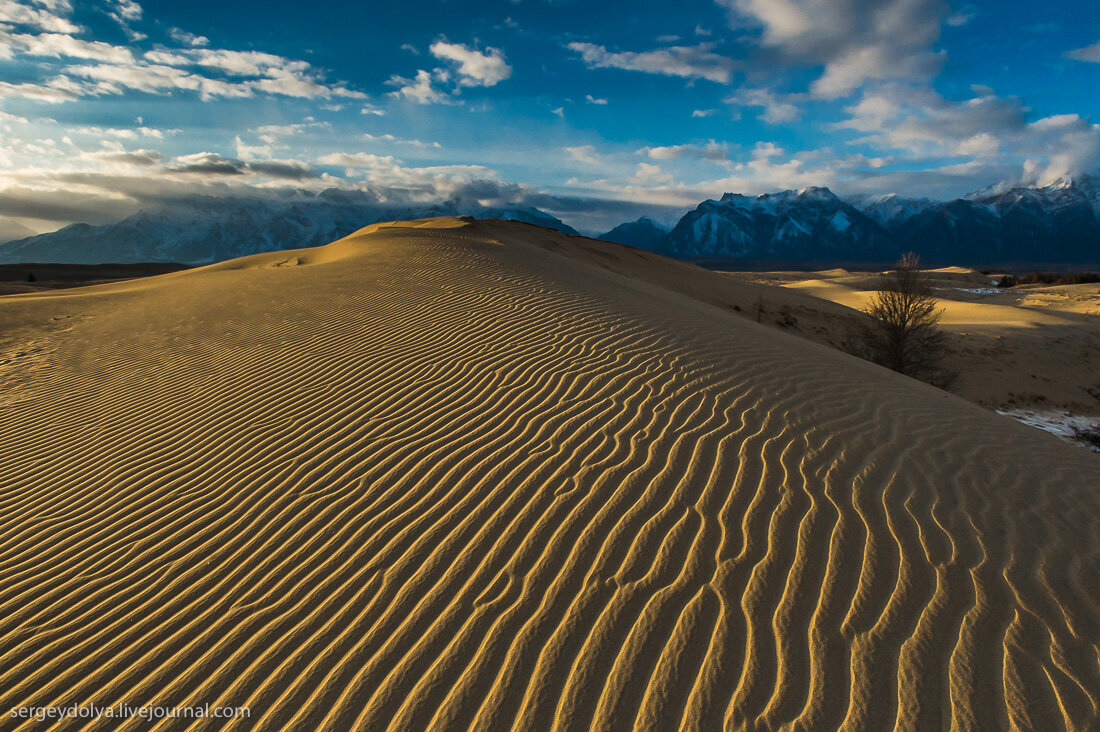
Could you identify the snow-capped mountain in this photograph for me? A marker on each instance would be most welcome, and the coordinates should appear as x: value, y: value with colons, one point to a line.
x: 891, y: 211
x: 1006, y: 224
x: 1059, y: 222
x: 811, y: 223
x: 203, y: 229
x: 644, y: 233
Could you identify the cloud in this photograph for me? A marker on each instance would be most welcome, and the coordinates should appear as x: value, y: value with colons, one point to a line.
x: 471, y: 68
x: 855, y: 40
x: 474, y: 68
x: 360, y: 160
x: 777, y: 109
x: 56, y: 45
x: 212, y: 73
x: 713, y: 151
x: 50, y: 93
x: 1091, y: 54
x: 136, y: 158
x: 961, y: 17
x: 56, y: 205
x: 585, y: 154
x: 188, y: 39
x: 125, y: 12
x: 649, y: 174
x: 284, y: 169
x: 703, y: 113
x: 419, y: 89
x: 48, y: 17
x: 690, y: 62
x: 208, y: 163
x: 593, y: 100
x: 213, y: 164
x: 920, y: 121
x: 391, y: 139
x: 990, y: 130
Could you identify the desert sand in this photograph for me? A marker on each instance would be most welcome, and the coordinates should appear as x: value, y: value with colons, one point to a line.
x: 454, y: 474
x: 1031, y: 347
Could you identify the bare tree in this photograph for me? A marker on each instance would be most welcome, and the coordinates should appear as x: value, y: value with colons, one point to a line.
x: 902, y: 332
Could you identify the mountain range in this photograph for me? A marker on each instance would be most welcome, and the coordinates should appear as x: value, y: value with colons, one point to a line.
x: 204, y: 229
x: 1053, y: 224
x: 1057, y: 223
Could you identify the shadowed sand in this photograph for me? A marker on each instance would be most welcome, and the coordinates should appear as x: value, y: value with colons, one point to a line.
x: 452, y: 474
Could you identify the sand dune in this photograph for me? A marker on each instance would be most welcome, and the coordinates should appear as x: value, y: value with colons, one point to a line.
x: 460, y: 475
x: 1031, y: 347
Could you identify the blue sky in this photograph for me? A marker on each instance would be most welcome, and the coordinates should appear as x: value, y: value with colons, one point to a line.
x: 596, y: 112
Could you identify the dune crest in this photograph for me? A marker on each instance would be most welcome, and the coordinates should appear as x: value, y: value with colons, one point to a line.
x: 460, y: 474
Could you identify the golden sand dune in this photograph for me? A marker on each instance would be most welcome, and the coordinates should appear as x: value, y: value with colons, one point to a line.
x: 1032, y: 346
x: 464, y: 475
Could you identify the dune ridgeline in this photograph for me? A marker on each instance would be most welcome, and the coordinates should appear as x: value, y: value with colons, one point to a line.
x: 452, y: 474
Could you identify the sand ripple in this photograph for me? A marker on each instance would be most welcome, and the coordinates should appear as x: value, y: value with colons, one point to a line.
x: 422, y: 479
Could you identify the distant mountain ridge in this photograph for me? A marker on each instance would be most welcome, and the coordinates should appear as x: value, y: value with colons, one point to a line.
x: 205, y: 229
x: 1004, y: 224
x: 1056, y: 223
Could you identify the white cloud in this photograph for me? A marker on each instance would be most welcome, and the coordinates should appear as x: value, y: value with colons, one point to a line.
x: 472, y: 68
x: 586, y: 154
x: 188, y: 39
x: 391, y: 139
x: 777, y: 109
x: 690, y: 62
x: 49, y: 17
x: 250, y: 152
x: 125, y: 13
x: 703, y: 113
x: 419, y: 89
x: 1090, y: 54
x: 126, y: 10
x: 475, y: 68
x: 649, y: 174
x: 713, y: 151
x: 856, y: 40
x: 987, y: 129
x: 56, y: 45
x: 50, y: 93
x: 593, y: 100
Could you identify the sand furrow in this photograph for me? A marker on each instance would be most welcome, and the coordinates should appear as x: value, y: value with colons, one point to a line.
x: 475, y: 476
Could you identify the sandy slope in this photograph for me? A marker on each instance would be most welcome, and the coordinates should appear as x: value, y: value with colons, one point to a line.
x: 470, y: 475
x: 1033, y: 347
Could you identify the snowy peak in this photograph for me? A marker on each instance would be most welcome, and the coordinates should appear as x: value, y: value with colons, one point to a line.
x: 781, y: 200
x: 1004, y: 224
x: 809, y: 223
x: 203, y: 229
x: 891, y: 210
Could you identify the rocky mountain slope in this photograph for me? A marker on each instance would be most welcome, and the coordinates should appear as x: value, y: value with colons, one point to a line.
x: 1057, y: 223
